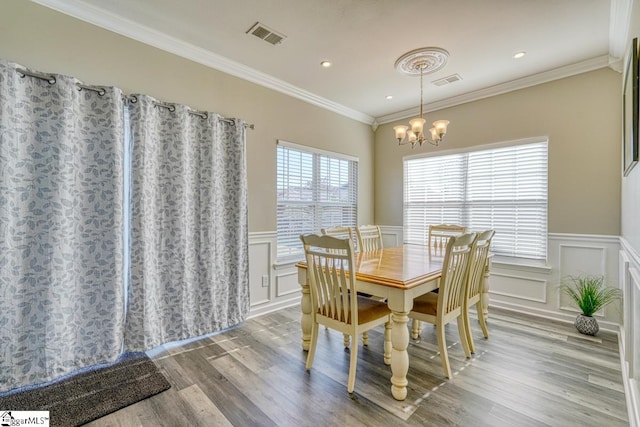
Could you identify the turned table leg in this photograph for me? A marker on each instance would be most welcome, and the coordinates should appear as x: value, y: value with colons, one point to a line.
x: 399, y: 355
x: 305, y: 321
x: 485, y: 289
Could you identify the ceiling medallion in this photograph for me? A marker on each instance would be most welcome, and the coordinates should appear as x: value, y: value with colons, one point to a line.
x: 426, y: 59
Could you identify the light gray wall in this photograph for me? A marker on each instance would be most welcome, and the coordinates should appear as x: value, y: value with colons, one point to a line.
x: 39, y: 38
x: 581, y: 117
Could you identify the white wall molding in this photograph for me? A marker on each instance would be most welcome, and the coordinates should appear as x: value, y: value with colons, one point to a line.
x: 539, y: 285
x: 535, y: 289
x: 120, y: 25
x: 619, y: 27
x: 116, y: 23
x: 392, y: 235
x: 282, y: 289
x: 629, y: 338
x: 525, y: 82
x: 585, y: 237
x: 549, y: 314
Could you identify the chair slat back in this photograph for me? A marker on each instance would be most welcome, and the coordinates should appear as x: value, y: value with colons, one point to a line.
x: 330, y: 264
x: 439, y: 235
x: 341, y: 232
x: 369, y: 238
x: 455, y: 269
x: 479, y: 254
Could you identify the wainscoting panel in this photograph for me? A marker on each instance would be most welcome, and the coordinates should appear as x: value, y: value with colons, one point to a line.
x: 259, y: 270
x: 518, y: 287
x: 525, y: 287
x: 533, y: 288
x: 528, y: 289
x: 629, y: 262
x: 391, y: 236
x: 272, y: 286
x: 287, y: 283
x: 577, y: 260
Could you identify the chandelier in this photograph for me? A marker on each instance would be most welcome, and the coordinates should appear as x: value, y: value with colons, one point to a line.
x: 420, y: 62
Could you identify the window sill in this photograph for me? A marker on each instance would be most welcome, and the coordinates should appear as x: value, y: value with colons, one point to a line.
x: 511, y: 263
x: 287, y: 263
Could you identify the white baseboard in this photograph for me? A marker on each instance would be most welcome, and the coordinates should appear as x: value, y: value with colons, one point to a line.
x: 549, y: 314
x: 270, y: 308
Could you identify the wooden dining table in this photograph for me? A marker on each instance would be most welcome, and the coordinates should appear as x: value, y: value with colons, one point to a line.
x: 398, y: 274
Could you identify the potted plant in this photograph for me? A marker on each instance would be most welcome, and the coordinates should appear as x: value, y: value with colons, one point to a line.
x: 590, y: 294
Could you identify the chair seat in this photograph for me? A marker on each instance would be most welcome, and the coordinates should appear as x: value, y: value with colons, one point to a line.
x: 426, y: 304
x: 368, y: 310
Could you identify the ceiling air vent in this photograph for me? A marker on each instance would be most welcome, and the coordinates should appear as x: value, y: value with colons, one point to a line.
x: 265, y: 33
x: 447, y: 80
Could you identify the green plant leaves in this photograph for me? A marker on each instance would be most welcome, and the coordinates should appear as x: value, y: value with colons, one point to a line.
x: 589, y: 293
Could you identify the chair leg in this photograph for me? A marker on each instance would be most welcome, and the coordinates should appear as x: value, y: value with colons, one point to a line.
x: 347, y: 340
x: 483, y: 320
x: 416, y: 325
x: 467, y: 327
x: 387, y: 343
x: 464, y: 339
x: 312, y: 345
x: 352, y: 366
x: 365, y: 339
x: 444, y: 355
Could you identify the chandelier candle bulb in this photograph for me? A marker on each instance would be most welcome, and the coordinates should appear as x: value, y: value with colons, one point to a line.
x: 401, y: 132
x: 441, y: 126
x: 417, y: 125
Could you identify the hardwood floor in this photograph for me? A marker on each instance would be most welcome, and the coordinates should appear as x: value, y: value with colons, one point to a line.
x: 530, y: 372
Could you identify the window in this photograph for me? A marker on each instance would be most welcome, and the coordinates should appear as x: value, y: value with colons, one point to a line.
x: 503, y: 188
x: 316, y: 189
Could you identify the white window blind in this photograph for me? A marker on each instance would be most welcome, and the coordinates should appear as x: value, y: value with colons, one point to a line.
x: 316, y: 190
x: 503, y: 188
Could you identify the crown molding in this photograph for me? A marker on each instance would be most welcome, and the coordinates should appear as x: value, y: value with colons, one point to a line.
x: 94, y: 15
x: 619, y: 23
x: 151, y: 37
x: 536, y: 79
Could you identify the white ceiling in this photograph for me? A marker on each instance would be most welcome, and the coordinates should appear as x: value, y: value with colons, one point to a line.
x: 363, y: 39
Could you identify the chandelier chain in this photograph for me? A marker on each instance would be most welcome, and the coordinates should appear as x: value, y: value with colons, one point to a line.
x: 421, y: 96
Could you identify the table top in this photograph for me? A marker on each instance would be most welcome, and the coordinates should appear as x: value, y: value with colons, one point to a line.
x: 403, y: 266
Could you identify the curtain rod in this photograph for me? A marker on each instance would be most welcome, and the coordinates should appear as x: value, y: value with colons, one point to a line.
x: 51, y: 79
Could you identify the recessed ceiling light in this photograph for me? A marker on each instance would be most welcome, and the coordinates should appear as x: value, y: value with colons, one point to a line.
x: 519, y: 55
x: 326, y: 64
x: 388, y: 97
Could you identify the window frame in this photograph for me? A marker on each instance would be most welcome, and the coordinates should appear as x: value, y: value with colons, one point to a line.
x: 316, y: 204
x: 466, y: 205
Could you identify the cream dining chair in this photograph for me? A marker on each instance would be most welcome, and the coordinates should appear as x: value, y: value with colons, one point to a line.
x: 369, y: 238
x: 344, y: 232
x: 445, y: 306
x: 473, y: 294
x: 334, y: 301
x: 439, y: 235
x: 341, y: 232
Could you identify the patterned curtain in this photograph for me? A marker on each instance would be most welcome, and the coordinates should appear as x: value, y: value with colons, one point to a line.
x: 61, y: 227
x: 189, y: 238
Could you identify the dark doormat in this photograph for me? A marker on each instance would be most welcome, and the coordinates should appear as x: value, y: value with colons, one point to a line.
x: 79, y: 398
